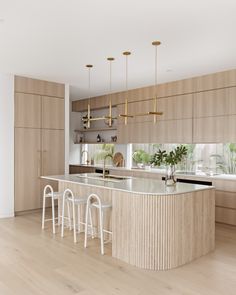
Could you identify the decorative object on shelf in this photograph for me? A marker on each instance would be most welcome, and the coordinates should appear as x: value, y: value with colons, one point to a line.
x: 118, y: 159
x: 85, y: 121
x: 126, y: 115
x: 141, y: 158
x: 169, y: 160
x: 114, y: 138
x: 99, y: 138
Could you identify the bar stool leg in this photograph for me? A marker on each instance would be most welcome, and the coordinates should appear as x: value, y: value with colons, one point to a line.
x: 79, y: 218
x: 68, y: 212
x: 101, y: 229
x: 86, y: 224
x: 62, y: 216
x: 91, y: 222
x: 53, y: 215
x: 59, y: 211
x: 74, y: 223
x: 43, y: 217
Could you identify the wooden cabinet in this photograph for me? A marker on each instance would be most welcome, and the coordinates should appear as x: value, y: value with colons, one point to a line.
x: 53, y: 116
x: 53, y: 152
x: 174, y: 126
x: 39, y: 143
x: 215, y: 116
x: 27, y: 110
x: 27, y: 168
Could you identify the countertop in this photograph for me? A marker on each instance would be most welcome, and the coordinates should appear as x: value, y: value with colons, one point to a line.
x: 130, y: 184
x: 197, y: 175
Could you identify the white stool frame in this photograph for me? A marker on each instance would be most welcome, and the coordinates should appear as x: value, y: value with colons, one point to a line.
x: 100, y: 209
x: 51, y: 195
x: 74, y: 201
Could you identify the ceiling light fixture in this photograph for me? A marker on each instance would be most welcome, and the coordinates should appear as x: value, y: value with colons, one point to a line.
x: 126, y: 115
x: 109, y: 117
x: 154, y: 113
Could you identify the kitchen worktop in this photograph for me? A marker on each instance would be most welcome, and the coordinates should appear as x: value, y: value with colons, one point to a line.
x: 129, y: 184
x: 179, y: 174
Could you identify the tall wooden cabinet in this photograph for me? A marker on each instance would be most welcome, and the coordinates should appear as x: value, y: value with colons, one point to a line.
x: 39, y: 138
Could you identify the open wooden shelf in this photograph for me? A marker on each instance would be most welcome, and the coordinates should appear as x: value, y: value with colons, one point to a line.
x: 95, y: 142
x: 95, y: 129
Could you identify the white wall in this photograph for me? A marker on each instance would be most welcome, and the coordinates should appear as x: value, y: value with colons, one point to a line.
x: 67, y: 127
x: 6, y: 145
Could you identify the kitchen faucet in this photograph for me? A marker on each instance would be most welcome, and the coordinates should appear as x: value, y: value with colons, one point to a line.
x: 104, y: 164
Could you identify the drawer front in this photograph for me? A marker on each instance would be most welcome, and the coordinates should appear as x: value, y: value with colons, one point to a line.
x: 226, y: 199
x: 225, y: 215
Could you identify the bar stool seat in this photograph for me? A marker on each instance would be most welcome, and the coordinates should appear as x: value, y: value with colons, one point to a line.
x: 55, y: 195
x: 94, y: 201
x: 104, y: 205
x: 70, y: 199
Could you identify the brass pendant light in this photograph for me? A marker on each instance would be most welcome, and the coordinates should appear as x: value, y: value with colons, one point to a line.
x: 154, y: 112
x: 109, y: 117
x: 89, y: 67
x: 89, y: 120
x: 126, y: 115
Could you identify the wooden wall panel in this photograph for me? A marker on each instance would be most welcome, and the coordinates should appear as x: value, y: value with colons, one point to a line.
x: 35, y: 86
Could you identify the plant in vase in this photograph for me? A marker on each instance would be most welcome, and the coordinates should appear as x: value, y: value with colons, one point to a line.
x: 169, y: 160
x: 141, y: 158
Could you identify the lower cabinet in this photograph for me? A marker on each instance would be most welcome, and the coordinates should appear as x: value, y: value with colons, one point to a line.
x: 76, y: 169
x: 226, y: 207
x: 27, y: 168
x: 37, y: 152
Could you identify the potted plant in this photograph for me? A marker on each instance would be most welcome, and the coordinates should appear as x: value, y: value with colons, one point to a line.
x: 141, y: 158
x: 169, y: 160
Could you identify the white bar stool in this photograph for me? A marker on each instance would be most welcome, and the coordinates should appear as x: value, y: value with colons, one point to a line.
x: 54, y: 196
x: 69, y: 198
x: 94, y: 201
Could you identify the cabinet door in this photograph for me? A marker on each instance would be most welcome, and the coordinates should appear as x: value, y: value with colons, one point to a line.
x: 53, y: 159
x: 53, y: 112
x: 27, y: 110
x: 27, y: 169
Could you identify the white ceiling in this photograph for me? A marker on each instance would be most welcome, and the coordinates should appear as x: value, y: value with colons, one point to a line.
x: 55, y: 39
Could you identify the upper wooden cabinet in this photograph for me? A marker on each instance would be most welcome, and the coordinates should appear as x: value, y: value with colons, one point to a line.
x: 53, y: 113
x: 27, y: 110
x: 215, y: 81
x: 35, y: 86
x: 217, y: 102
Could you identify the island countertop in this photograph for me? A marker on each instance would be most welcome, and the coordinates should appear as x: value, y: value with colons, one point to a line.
x: 129, y: 184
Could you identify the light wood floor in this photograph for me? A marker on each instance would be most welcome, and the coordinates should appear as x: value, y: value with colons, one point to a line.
x: 33, y: 262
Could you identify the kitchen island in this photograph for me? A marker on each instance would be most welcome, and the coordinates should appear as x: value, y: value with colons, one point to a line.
x: 153, y: 226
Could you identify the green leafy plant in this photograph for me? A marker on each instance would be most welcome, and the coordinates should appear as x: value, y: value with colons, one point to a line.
x: 140, y: 156
x: 107, y: 150
x: 172, y: 158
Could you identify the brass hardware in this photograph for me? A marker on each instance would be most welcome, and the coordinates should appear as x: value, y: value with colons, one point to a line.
x: 156, y: 43
x: 89, y: 66
x: 126, y: 53
x: 110, y: 58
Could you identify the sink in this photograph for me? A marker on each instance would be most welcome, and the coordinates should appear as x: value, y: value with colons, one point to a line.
x: 112, y: 178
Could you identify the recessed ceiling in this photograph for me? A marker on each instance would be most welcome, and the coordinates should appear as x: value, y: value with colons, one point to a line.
x: 55, y: 39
